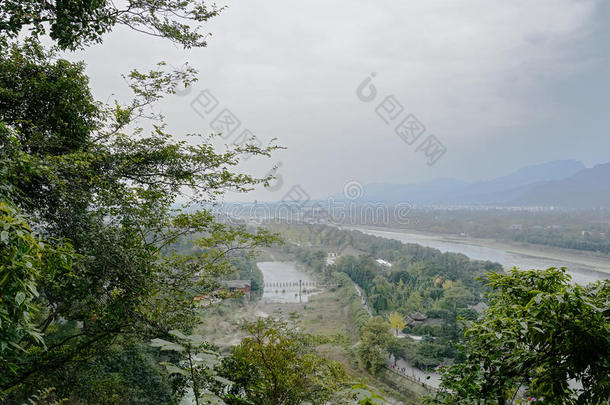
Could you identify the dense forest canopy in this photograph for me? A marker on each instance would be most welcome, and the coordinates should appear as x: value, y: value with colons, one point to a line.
x: 539, y: 334
x: 443, y: 286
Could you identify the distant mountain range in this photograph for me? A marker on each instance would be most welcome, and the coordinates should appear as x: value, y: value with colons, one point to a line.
x: 561, y: 183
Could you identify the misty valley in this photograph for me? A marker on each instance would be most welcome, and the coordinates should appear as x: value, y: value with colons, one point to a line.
x: 304, y: 203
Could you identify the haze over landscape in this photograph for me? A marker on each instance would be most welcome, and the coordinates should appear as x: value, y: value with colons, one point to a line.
x: 304, y: 203
x: 565, y: 184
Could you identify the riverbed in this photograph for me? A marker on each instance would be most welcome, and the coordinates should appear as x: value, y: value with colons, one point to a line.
x: 582, y: 267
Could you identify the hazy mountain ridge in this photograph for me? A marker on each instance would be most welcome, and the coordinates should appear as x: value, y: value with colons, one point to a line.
x: 589, y: 188
x: 560, y: 183
x: 503, y: 189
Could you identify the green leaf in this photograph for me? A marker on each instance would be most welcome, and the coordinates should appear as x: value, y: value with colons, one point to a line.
x: 178, y: 334
x: 196, y: 340
x: 223, y: 380
x: 173, y: 369
x: 165, y: 345
x: 19, y: 298
x: 212, y: 399
x: 208, y: 360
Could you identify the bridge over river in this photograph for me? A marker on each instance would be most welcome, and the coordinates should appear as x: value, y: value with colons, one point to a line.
x: 299, y: 283
x: 284, y: 282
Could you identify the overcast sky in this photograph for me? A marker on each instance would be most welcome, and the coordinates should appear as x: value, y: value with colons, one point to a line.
x: 501, y: 84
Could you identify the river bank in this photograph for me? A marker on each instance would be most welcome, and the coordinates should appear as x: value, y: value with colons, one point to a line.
x: 583, y: 266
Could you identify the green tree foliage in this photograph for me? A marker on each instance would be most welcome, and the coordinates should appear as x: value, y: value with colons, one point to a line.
x: 129, y: 371
x: 105, y: 192
x: 362, y: 395
x: 440, y: 285
x: 375, y: 338
x: 540, y: 332
x: 428, y: 353
x: 74, y: 24
x: 277, y: 364
x: 198, y: 366
x: 359, y: 315
x: 29, y: 79
x: 402, y: 348
x: 46, y: 397
x: 415, y: 282
x: 244, y: 262
x: 397, y: 321
x: 24, y: 259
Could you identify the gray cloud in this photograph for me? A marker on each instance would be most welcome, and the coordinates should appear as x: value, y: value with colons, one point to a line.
x: 502, y: 84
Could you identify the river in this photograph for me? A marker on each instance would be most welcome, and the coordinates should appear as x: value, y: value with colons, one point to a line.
x: 284, y: 273
x: 582, y: 272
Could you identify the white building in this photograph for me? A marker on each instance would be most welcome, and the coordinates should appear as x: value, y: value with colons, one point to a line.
x: 330, y: 259
x: 384, y: 263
